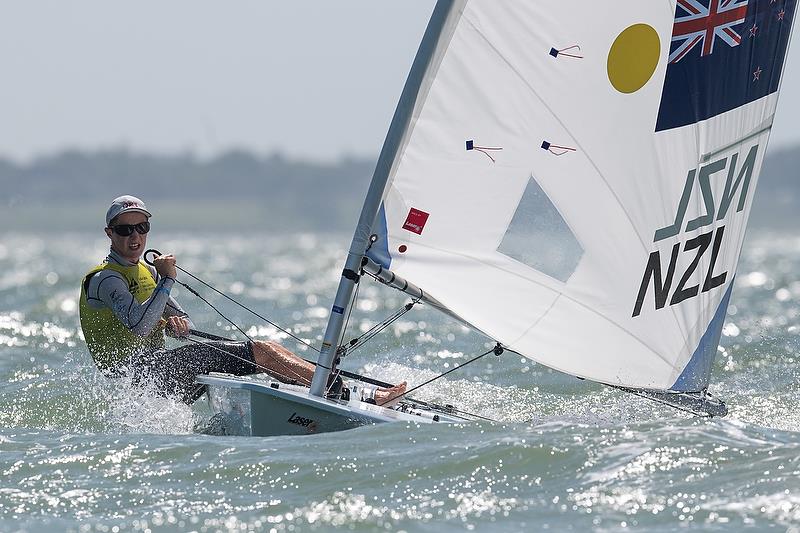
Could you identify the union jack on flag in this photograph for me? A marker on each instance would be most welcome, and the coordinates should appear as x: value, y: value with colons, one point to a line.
x: 701, y: 22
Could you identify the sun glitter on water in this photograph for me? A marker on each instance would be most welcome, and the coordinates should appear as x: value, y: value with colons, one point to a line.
x: 633, y: 58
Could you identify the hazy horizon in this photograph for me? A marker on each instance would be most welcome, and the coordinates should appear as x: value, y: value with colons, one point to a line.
x: 312, y: 80
x: 240, y: 190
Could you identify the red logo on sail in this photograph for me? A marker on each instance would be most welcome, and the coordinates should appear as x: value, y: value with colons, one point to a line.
x: 415, y: 221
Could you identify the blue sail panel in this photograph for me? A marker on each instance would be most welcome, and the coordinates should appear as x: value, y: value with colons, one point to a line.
x: 696, y: 375
x: 379, y: 251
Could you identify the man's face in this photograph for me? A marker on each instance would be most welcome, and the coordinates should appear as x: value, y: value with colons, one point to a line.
x: 132, y: 246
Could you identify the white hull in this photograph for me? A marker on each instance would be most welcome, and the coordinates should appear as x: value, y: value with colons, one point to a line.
x: 260, y: 406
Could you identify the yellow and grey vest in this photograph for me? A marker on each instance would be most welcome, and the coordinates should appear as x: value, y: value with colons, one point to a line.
x: 109, y: 340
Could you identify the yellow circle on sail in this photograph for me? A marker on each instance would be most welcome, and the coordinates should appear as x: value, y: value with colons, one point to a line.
x: 633, y: 58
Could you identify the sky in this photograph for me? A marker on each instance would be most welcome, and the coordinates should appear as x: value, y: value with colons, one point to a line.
x: 316, y: 79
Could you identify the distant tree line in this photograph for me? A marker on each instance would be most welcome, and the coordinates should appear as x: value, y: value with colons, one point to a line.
x: 272, y: 190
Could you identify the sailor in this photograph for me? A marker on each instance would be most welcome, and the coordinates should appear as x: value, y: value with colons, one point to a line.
x: 126, y: 309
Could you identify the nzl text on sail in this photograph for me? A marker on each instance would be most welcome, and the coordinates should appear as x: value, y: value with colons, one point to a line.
x: 716, y: 209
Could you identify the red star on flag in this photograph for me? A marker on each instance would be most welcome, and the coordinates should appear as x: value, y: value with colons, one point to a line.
x: 753, y: 30
x: 757, y: 74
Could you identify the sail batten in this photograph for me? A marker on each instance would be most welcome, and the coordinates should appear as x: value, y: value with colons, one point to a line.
x: 558, y: 186
x: 766, y: 127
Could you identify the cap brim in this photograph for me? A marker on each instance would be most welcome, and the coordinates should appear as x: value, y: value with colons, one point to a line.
x: 136, y: 210
x: 130, y: 210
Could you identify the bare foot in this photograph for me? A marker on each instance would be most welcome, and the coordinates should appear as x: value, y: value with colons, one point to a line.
x: 385, y: 396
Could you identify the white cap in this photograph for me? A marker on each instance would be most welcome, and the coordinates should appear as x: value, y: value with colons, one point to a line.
x: 125, y: 204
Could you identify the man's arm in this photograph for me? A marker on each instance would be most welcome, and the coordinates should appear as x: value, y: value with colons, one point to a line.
x: 173, y: 309
x: 109, y: 289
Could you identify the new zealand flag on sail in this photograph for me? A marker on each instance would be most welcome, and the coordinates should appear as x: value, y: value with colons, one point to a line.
x: 724, y: 54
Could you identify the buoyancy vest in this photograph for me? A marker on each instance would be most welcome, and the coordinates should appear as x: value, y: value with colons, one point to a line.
x: 110, y: 342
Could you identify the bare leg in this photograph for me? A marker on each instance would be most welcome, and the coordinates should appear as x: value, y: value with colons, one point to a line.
x: 282, y: 363
x: 286, y: 366
x: 385, y: 396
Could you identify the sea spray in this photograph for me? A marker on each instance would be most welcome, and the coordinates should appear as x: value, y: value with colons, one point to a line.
x: 78, y: 453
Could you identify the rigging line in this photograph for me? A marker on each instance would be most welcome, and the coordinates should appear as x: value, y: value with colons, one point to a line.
x: 493, y: 350
x: 209, y: 336
x: 367, y: 336
x: 353, y: 302
x: 446, y: 409
x: 345, y: 373
x: 358, y: 342
x: 658, y: 400
x: 231, y: 322
x: 298, y: 339
x: 642, y: 395
x: 271, y: 323
x: 242, y: 359
x: 297, y: 376
x: 338, y: 372
x: 467, y: 413
x: 332, y: 381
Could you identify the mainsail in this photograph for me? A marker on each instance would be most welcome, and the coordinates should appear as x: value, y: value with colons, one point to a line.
x: 574, y: 179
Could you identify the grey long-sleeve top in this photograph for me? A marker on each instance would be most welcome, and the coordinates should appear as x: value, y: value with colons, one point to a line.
x: 109, y: 289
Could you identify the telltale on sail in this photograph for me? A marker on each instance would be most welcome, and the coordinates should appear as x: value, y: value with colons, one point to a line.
x: 600, y: 232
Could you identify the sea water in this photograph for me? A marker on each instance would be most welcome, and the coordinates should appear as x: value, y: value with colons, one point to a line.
x: 80, y: 453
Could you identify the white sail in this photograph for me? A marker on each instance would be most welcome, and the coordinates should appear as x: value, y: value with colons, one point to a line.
x: 574, y: 178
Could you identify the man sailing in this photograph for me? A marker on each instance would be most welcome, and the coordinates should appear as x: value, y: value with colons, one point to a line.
x: 126, y: 308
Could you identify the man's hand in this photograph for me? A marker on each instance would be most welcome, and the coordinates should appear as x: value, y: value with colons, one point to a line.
x: 165, y: 266
x: 179, y: 325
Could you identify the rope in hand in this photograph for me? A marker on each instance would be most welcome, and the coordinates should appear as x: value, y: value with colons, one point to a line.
x: 354, y: 343
x: 289, y: 333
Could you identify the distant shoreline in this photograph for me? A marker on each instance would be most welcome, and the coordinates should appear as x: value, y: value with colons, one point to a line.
x: 239, y: 191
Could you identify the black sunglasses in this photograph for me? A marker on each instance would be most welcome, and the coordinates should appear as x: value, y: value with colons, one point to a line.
x: 125, y: 230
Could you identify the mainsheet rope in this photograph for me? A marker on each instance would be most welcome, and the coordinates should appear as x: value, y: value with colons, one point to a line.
x: 358, y: 342
x: 268, y: 321
x: 353, y: 345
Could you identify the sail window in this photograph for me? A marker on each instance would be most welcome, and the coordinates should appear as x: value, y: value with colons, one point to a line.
x: 539, y: 237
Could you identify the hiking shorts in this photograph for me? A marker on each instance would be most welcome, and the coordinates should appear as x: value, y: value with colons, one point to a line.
x: 173, y: 372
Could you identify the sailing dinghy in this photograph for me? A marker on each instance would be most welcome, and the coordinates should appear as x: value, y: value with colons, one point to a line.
x: 571, y: 180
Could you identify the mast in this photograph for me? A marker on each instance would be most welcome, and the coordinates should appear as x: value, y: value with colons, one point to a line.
x: 523, y: 258
x: 434, y: 42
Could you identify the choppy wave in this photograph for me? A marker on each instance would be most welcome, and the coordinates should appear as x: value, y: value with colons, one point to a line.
x: 79, y: 452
